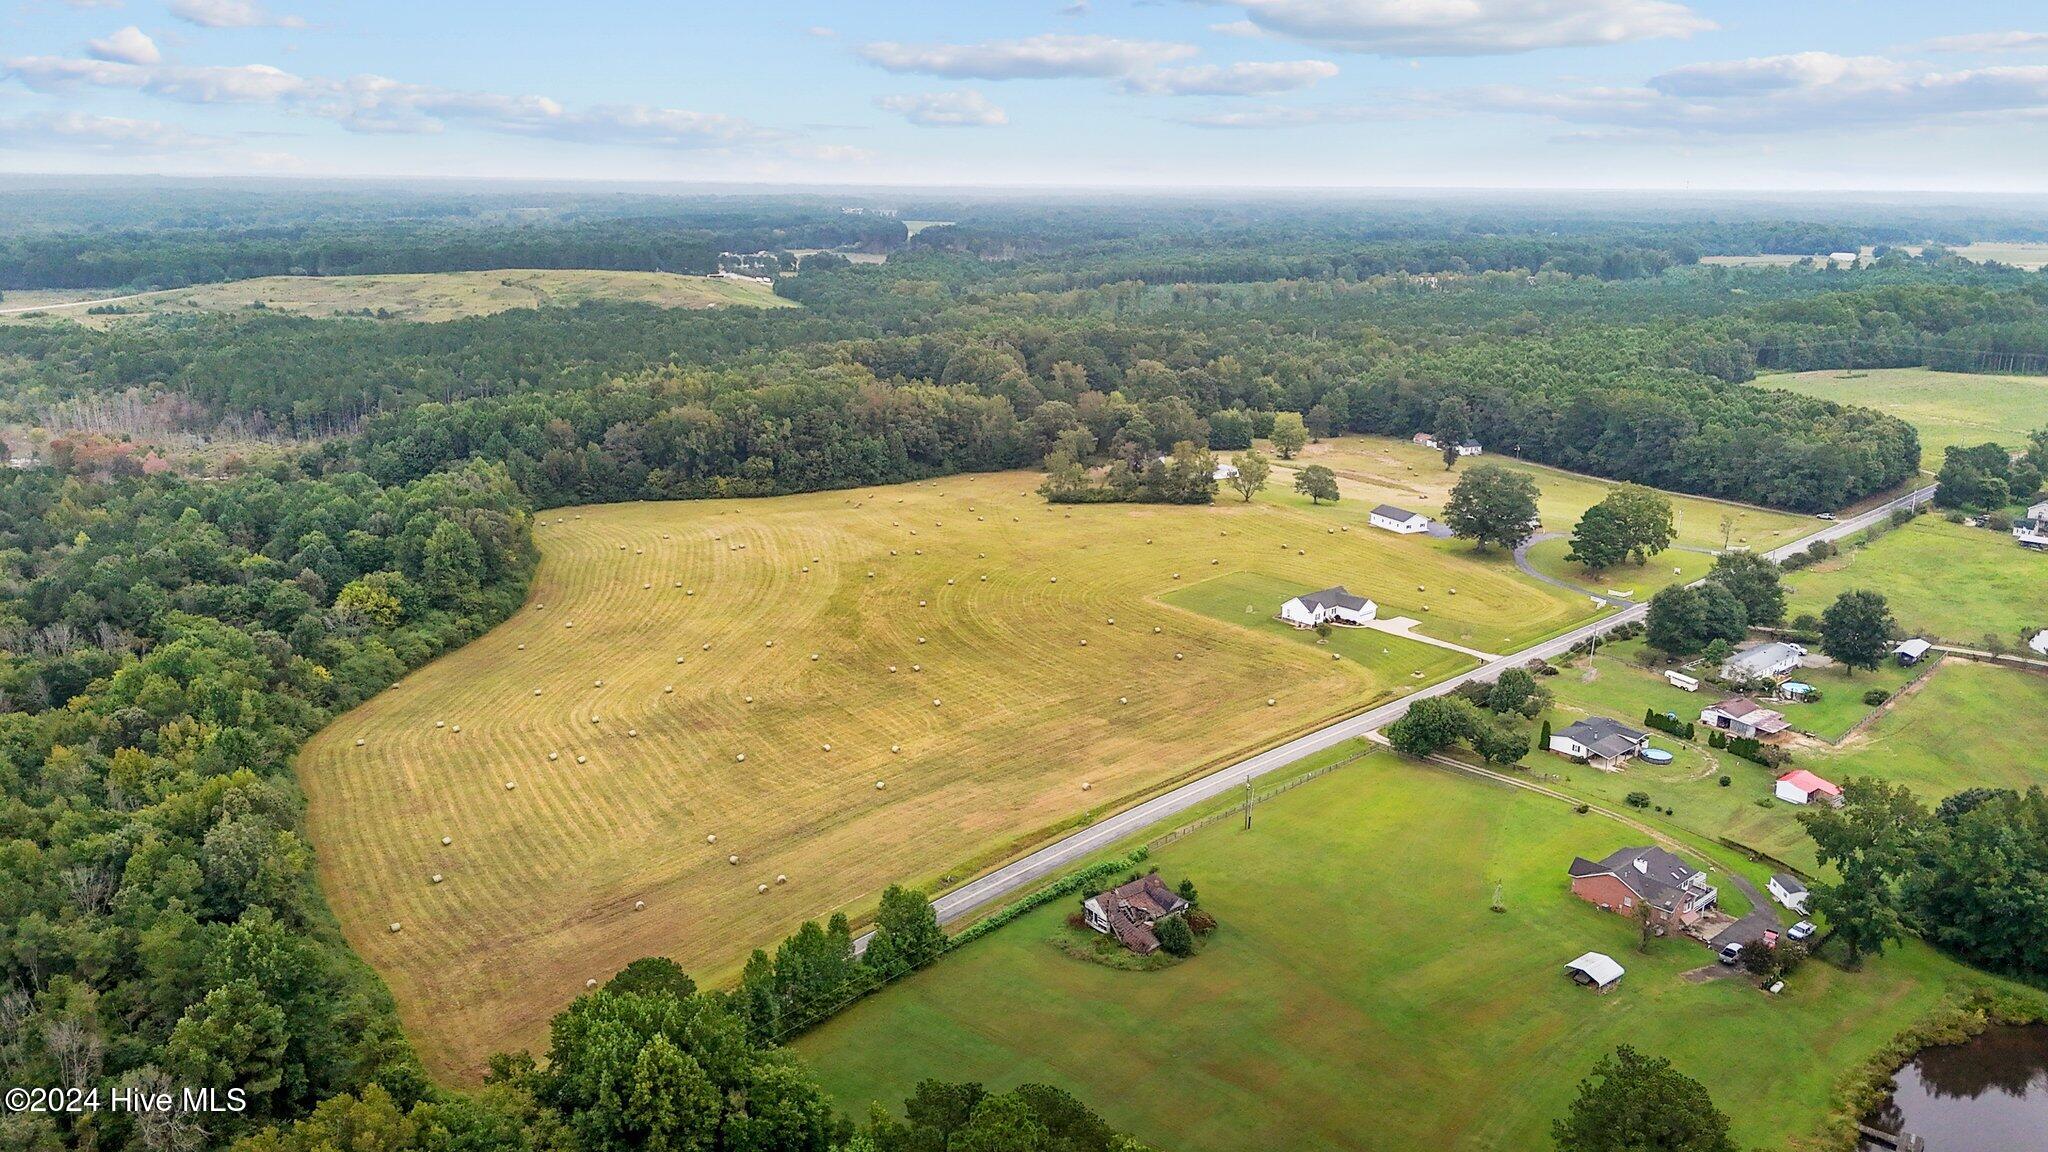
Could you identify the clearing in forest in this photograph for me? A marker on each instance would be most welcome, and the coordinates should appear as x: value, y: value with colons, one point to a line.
x: 753, y: 669
x: 1948, y: 408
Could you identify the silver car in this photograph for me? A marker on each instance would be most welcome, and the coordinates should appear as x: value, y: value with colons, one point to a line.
x: 1800, y: 931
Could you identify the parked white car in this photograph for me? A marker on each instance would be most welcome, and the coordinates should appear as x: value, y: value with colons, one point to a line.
x: 1801, y: 930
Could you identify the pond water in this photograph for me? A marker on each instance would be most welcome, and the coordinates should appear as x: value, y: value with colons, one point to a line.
x: 1989, y: 1095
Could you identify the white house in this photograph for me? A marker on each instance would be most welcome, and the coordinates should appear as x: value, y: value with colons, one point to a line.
x: 1763, y: 661
x: 1802, y: 787
x: 1329, y: 606
x: 2032, y: 532
x: 1399, y: 520
x: 1744, y: 717
x: 1225, y: 470
x: 1469, y: 448
x: 2039, y: 643
x: 1787, y: 890
x: 1599, y: 741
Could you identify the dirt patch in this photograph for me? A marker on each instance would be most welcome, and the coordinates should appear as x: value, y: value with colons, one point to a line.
x: 1706, y: 972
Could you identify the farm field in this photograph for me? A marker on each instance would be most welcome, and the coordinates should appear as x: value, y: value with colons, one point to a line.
x: 1948, y: 408
x: 1360, y: 994
x: 1673, y: 566
x: 1246, y: 600
x: 1942, y: 580
x: 435, y: 296
x: 777, y: 623
x: 1971, y: 725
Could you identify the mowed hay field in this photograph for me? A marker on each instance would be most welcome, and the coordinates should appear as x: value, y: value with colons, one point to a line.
x: 1942, y: 580
x: 981, y: 597
x: 1359, y: 993
x: 436, y: 296
x: 1947, y: 408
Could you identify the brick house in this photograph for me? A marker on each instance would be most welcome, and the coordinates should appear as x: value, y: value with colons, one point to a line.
x: 1630, y: 879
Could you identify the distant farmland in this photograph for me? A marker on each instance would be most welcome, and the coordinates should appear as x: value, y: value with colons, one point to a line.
x: 1947, y: 408
x: 425, y: 296
x: 961, y: 621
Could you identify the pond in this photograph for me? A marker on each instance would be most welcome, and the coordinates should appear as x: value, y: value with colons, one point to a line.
x: 1989, y: 1095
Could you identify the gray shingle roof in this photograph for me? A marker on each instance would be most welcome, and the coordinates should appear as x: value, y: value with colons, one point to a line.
x: 1603, y: 735
x: 1333, y: 597
x: 1789, y: 885
x: 1393, y: 513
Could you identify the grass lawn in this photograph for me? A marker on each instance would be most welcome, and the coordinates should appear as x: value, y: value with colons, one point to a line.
x: 1942, y: 580
x: 1376, y: 469
x: 1640, y: 583
x: 977, y: 593
x: 1971, y: 725
x: 439, y: 295
x: 1249, y: 600
x: 1947, y: 408
x: 1361, y: 995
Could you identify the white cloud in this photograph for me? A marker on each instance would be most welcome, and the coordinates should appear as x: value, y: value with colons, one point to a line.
x: 1275, y: 116
x: 78, y: 131
x: 1043, y: 57
x: 231, y: 14
x: 1241, y: 28
x: 964, y: 109
x: 92, y: 3
x: 378, y: 104
x: 1470, y: 27
x: 130, y: 45
x: 1807, y: 92
x: 1077, y: 8
x: 1989, y: 42
x: 1251, y: 79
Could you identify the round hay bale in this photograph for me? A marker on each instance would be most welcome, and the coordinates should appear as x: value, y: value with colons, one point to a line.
x: 981, y: 555
x: 711, y: 839
x: 707, y: 646
x: 1336, y: 656
x: 568, y: 624
x: 510, y: 785
x: 689, y: 591
x: 949, y: 583
x: 359, y: 742
x: 741, y: 758
x: 395, y: 926
x: 768, y: 644
x: 639, y: 905
x: 762, y: 888
x: 920, y: 604
x: 749, y: 699
x: 679, y: 659
x: 871, y: 573
x: 1301, y: 551
x: 1084, y: 643
x: 825, y: 747
x: 457, y: 728
x: 678, y: 584
x: 1420, y: 588
x: 536, y: 691
x: 892, y: 551
x: 590, y: 983
x: 814, y: 656
x: 1123, y: 699
x: 597, y: 683
x: 646, y: 586
x: 1112, y: 621
x: 898, y: 748
x: 935, y: 701
x: 447, y: 840
x: 879, y: 785
x: 1086, y: 786
x: 984, y: 579
x: 554, y: 755
x: 597, y: 719
x: 1270, y: 702
x: 1054, y: 580
x: 892, y: 667
x: 1213, y: 563
x: 920, y: 639
x: 440, y: 723
x: 522, y: 647
x: 1178, y: 656
x: 781, y: 879
x: 1452, y: 591
x: 806, y: 568
x: 1176, y: 575
x: 668, y: 688
x: 437, y: 877
x: 1155, y: 629
x: 582, y: 760
x: 734, y: 860
x: 633, y: 732
x: 917, y: 667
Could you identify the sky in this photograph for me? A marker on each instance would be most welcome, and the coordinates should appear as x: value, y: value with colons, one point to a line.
x: 1771, y: 95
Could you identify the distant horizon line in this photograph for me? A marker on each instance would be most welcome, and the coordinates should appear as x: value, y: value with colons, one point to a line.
x: 1170, y: 190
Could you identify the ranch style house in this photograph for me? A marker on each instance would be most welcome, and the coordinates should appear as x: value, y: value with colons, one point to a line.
x: 1599, y: 741
x: 1741, y: 716
x: 1399, y: 520
x: 1332, y: 605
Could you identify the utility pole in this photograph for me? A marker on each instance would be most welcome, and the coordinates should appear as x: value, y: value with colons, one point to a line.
x: 1247, y: 802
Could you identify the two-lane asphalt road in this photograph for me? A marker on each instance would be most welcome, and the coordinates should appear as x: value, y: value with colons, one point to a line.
x: 1060, y: 854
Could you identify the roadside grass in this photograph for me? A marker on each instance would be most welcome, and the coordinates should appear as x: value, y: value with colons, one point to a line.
x: 1359, y: 993
x: 1948, y: 408
x: 433, y: 296
x: 1250, y: 599
x: 981, y: 598
x: 1942, y: 580
x: 1639, y: 582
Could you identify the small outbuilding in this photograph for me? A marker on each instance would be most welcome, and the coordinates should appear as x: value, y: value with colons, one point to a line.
x: 1741, y: 716
x: 1802, y: 787
x: 1787, y: 890
x: 1399, y: 520
x: 1681, y: 681
x: 1912, y: 651
x: 1595, y: 970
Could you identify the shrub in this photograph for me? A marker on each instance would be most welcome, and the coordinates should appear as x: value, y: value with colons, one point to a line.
x: 1876, y: 696
x: 1638, y: 800
x: 1200, y: 921
x: 1582, y: 809
x: 1175, y: 937
x: 1726, y: 781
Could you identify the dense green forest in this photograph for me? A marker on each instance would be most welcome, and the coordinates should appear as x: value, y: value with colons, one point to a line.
x: 169, y: 639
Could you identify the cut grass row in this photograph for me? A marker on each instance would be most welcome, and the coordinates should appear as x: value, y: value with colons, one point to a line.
x: 981, y: 597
